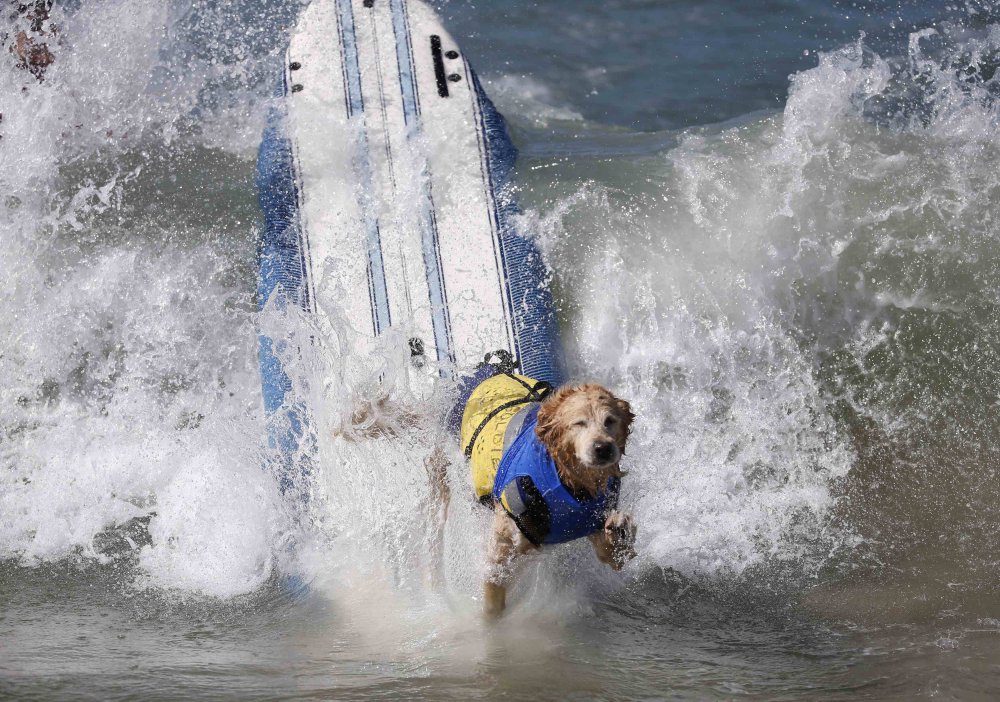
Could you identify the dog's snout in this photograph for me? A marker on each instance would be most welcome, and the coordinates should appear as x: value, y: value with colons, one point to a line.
x: 603, y: 450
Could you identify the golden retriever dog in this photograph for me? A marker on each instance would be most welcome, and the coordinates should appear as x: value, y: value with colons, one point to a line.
x: 584, y: 429
x: 577, y: 435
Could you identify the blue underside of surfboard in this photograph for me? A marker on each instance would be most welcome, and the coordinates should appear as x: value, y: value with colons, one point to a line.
x: 282, y: 283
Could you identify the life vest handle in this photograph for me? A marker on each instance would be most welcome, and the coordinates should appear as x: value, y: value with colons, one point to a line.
x: 506, y: 364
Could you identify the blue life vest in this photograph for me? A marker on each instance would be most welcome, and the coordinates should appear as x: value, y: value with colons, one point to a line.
x: 569, y: 517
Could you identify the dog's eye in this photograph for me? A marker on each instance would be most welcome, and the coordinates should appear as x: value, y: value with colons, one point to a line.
x: 580, y: 423
x: 610, y: 422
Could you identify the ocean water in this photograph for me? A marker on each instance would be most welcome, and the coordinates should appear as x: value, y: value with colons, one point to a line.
x: 773, y: 227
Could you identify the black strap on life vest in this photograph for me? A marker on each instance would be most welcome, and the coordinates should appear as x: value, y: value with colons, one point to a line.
x: 506, y: 364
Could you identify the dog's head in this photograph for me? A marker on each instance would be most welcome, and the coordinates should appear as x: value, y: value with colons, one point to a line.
x: 584, y: 428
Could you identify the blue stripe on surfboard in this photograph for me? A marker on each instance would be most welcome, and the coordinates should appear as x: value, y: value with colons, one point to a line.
x: 377, y: 289
x: 428, y: 222
x: 305, y: 252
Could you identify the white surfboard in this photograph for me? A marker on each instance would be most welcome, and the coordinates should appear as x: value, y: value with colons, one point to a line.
x: 383, y: 177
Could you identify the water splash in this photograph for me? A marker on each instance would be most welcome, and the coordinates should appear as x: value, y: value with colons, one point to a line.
x: 800, y: 306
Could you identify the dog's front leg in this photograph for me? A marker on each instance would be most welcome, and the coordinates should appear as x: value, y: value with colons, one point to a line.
x: 615, y: 543
x: 499, y: 565
x: 506, y: 544
x: 494, y: 598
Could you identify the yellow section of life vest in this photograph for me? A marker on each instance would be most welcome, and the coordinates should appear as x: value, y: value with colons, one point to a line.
x: 488, y: 449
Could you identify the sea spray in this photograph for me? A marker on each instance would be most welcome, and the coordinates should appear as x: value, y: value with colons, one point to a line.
x: 758, y: 289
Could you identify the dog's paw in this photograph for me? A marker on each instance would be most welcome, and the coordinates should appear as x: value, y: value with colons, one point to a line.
x: 621, y: 530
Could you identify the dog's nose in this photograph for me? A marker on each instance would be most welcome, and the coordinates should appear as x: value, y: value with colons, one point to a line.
x: 603, y: 450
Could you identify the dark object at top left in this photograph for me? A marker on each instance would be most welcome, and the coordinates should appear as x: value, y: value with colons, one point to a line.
x: 31, y: 28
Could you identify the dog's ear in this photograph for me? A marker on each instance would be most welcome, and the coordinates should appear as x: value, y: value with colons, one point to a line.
x: 551, y: 431
x: 547, y: 428
x: 624, y: 410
